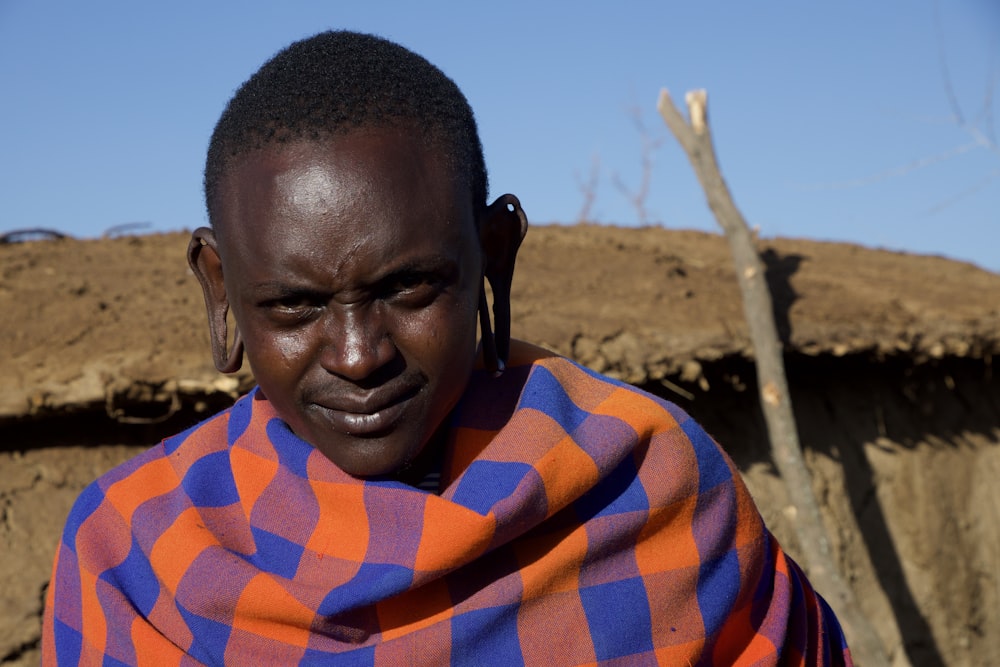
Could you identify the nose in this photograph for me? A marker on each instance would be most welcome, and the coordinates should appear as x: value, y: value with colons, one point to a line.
x: 357, y: 343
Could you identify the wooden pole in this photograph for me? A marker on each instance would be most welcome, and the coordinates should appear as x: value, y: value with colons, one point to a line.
x: 696, y: 140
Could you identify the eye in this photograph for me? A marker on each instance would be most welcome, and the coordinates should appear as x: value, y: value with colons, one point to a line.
x: 294, y: 303
x: 292, y: 308
x: 412, y: 288
x: 408, y: 281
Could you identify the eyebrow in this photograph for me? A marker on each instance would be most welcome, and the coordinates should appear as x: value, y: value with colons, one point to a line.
x: 428, y: 264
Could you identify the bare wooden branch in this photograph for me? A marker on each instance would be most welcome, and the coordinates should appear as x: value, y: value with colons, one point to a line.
x: 649, y: 146
x: 696, y: 140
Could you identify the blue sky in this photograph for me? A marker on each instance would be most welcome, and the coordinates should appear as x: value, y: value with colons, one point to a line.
x: 822, y: 113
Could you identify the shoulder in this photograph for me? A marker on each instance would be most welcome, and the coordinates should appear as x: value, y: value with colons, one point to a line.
x: 621, y: 425
x: 114, y: 497
x: 550, y: 397
x: 556, y: 383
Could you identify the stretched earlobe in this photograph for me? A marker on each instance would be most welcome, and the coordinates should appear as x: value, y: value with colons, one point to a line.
x: 490, y: 359
x: 203, y: 257
x: 501, y: 230
x: 233, y: 361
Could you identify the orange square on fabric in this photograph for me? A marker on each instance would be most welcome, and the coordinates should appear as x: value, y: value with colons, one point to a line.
x: 342, y: 526
x: 95, y: 625
x: 642, y: 413
x: 415, y: 610
x: 150, y: 481
x: 151, y: 648
x: 551, y: 563
x: 749, y: 525
x: 178, y: 546
x: 452, y: 535
x: 667, y: 541
x: 267, y: 609
x: 251, y: 475
x: 688, y: 653
x: 732, y: 647
x: 566, y: 471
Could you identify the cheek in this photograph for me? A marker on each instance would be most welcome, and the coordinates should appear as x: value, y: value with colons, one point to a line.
x: 440, y: 335
x: 277, y: 356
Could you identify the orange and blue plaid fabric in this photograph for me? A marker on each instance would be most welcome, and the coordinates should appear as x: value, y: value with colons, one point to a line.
x: 580, y: 522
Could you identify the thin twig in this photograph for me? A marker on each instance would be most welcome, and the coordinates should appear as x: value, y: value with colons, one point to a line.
x: 589, y: 190
x: 649, y: 145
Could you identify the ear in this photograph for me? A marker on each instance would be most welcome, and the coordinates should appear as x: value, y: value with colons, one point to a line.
x: 502, y: 227
x: 203, y: 257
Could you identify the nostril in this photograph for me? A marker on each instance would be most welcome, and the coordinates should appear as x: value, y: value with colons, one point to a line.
x: 357, y: 346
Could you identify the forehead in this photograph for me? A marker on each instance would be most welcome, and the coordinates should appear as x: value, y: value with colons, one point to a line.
x: 368, y: 187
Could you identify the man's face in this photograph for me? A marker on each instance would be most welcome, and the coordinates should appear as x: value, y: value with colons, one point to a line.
x: 352, y: 266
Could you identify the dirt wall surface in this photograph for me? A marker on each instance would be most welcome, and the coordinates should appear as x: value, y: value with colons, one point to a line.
x: 103, y: 351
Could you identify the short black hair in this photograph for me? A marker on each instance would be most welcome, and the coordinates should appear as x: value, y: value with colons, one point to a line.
x: 337, y: 81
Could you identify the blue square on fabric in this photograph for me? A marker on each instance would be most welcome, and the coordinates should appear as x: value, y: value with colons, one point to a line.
x: 86, y: 504
x: 382, y: 580
x: 373, y: 582
x: 362, y: 657
x: 485, y: 483
x: 547, y: 395
x: 69, y: 643
x: 275, y: 554
x: 210, y: 637
x: 209, y: 481
x: 620, y: 492
x: 293, y: 451
x: 712, y: 467
x: 239, y: 417
x: 618, y: 618
x: 486, y: 637
x: 135, y: 577
x: 718, y: 587
x: 111, y: 662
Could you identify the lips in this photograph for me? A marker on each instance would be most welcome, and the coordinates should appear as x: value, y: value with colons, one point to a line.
x: 368, y: 415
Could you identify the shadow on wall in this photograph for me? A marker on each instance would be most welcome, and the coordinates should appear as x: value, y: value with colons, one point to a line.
x: 843, y: 404
x: 778, y: 271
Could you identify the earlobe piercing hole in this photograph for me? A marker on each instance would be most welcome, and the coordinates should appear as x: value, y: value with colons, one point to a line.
x: 510, y: 208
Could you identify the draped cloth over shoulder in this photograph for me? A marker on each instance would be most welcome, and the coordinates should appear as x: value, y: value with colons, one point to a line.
x: 581, y: 521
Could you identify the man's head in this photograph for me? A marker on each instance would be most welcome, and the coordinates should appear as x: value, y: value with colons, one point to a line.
x: 335, y: 82
x: 352, y: 255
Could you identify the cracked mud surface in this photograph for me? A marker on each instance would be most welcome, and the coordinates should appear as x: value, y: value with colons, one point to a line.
x: 103, y: 352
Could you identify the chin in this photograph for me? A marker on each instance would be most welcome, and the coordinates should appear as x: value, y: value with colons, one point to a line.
x: 368, y: 458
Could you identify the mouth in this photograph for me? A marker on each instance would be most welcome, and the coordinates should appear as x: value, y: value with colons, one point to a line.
x: 369, y: 416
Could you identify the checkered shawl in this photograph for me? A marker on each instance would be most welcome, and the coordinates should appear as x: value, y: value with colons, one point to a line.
x: 581, y: 522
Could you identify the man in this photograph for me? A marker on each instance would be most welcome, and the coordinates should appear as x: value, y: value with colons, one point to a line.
x: 392, y: 492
